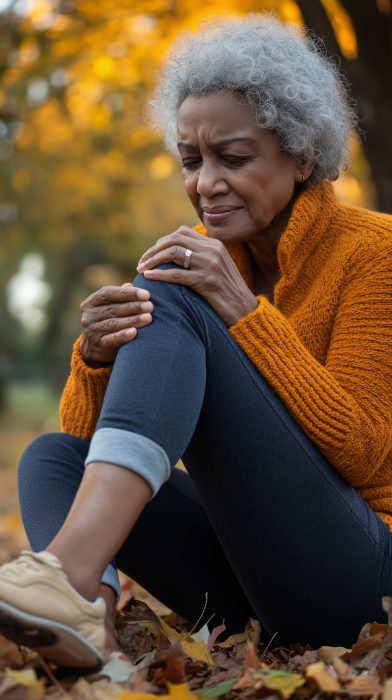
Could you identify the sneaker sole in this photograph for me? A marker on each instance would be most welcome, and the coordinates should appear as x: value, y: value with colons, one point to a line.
x: 54, y: 641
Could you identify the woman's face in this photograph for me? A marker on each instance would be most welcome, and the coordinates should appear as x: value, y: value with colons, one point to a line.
x: 236, y: 176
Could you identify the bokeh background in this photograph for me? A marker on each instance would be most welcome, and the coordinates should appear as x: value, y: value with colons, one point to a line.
x: 85, y: 189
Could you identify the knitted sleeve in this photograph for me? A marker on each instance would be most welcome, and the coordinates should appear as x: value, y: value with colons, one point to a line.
x: 345, y: 407
x: 83, y: 396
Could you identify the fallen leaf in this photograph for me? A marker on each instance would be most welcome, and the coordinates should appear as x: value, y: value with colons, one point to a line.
x: 9, y: 651
x: 377, y: 629
x: 202, y: 636
x: 176, y: 692
x: 364, y: 685
x: 254, y: 627
x: 387, y: 692
x: 27, y: 678
x: 214, y: 634
x: 218, y: 690
x: 284, y: 683
x: 118, y: 668
x: 82, y: 690
x: 197, y: 652
x: 300, y: 663
x: 300, y: 649
x: 362, y: 648
x: 325, y: 677
x: 136, y: 641
x: 328, y: 654
x: 235, y: 639
x: 169, y: 632
x: 251, y: 659
x: 343, y: 670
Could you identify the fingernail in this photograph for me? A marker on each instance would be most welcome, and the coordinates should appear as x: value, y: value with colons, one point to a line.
x: 140, y: 267
x: 146, y: 306
x: 145, y: 318
x: 131, y: 331
x: 142, y: 294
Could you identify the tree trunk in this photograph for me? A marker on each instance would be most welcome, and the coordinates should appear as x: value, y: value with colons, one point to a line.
x: 370, y: 79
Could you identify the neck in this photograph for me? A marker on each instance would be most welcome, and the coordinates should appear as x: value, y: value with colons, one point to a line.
x: 263, y: 248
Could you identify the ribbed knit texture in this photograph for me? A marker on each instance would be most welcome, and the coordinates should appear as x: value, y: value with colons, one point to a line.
x: 325, y: 346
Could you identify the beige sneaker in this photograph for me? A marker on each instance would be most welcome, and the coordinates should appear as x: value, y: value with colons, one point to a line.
x: 40, y: 609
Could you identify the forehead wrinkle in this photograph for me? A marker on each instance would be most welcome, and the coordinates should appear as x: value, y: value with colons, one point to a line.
x: 225, y: 142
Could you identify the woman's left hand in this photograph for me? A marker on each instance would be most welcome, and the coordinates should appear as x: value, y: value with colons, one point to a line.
x: 212, y: 272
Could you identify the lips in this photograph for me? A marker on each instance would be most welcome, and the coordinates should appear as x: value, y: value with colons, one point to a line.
x: 215, y: 215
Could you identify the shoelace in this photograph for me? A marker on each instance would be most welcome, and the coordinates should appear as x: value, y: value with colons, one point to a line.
x: 17, y: 567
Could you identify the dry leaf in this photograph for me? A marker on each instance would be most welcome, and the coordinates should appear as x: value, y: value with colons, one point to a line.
x: 214, y: 634
x: 364, y: 685
x: 118, y: 668
x: 236, y: 639
x: 325, y: 677
x: 251, y: 659
x: 328, y: 654
x: 362, y: 648
x: 9, y: 651
x: 343, y: 670
x: 254, y: 627
x: 197, y: 652
x: 284, y: 683
x: 387, y: 692
x: 377, y: 629
x: 300, y: 663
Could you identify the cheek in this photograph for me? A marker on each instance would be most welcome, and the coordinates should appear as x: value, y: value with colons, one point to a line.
x: 190, y: 184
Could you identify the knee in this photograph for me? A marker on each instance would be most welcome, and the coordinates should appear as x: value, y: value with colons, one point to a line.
x: 49, y: 450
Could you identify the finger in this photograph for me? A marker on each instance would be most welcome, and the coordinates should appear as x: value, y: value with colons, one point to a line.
x: 181, y: 237
x: 113, y: 325
x: 111, y: 294
x: 175, y: 276
x: 131, y: 308
x: 114, y: 340
x: 174, y: 254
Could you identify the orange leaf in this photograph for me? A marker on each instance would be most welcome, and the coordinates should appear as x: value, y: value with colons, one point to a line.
x: 324, y: 676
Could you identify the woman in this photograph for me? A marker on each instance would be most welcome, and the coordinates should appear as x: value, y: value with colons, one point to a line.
x: 267, y: 368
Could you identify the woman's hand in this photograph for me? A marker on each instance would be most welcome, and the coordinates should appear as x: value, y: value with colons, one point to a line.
x: 110, y: 318
x: 212, y: 272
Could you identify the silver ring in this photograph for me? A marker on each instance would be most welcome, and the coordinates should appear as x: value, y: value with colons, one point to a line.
x: 187, y: 261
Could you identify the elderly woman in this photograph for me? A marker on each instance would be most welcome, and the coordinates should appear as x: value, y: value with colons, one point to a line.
x: 262, y: 359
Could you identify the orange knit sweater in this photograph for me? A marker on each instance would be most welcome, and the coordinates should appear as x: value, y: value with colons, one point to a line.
x: 325, y: 346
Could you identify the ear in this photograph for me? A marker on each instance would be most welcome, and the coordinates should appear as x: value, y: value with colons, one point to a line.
x: 304, y: 171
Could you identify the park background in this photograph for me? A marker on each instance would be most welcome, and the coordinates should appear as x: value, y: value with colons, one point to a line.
x: 85, y: 188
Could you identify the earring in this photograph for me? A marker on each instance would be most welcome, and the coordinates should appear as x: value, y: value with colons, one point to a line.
x: 302, y: 178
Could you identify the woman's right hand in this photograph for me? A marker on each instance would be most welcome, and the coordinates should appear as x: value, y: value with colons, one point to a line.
x: 110, y: 318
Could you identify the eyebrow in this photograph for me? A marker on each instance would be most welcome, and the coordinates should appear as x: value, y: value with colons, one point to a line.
x: 215, y: 145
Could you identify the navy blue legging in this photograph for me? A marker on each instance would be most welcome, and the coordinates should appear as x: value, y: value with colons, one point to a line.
x: 261, y: 521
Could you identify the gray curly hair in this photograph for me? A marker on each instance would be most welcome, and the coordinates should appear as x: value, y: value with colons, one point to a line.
x: 294, y: 89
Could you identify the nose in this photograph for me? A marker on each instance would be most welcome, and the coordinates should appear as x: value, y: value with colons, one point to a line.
x: 210, y: 181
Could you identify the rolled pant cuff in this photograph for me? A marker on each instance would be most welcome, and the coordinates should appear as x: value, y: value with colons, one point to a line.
x: 133, y: 451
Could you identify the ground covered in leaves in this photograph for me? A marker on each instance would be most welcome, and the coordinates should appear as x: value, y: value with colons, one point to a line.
x: 169, y: 659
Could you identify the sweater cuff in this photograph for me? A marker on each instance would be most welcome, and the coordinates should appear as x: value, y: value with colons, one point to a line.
x: 98, y: 379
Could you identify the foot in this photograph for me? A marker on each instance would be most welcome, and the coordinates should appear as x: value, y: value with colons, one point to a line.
x: 40, y: 609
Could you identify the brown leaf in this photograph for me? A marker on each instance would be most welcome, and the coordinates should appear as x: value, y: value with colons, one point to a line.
x: 343, y: 670
x: 175, y: 670
x: 9, y: 651
x: 254, y: 627
x: 362, y: 648
x: 251, y: 659
x: 301, y: 649
x: 136, y: 641
x: 82, y: 690
x: 364, y: 685
x: 378, y: 629
x: 236, y: 639
x: 299, y: 663
x: 325, y: 677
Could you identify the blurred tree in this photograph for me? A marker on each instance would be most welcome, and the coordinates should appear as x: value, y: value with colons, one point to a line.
x: 360, y: 33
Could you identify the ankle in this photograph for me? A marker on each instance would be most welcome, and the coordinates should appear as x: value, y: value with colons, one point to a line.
x: 85, y: 581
